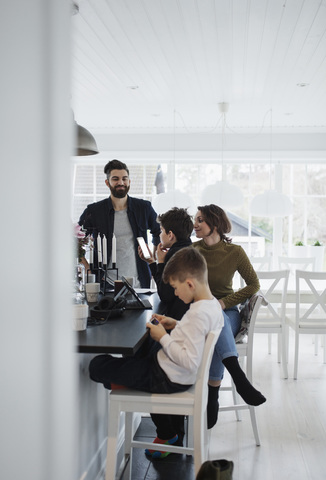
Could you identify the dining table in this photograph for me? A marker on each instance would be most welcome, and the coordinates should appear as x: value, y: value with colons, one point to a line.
x: 122, y: 334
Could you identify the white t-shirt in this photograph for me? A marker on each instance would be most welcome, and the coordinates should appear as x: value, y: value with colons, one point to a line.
x: 182, y: 350
x: 126, y: 253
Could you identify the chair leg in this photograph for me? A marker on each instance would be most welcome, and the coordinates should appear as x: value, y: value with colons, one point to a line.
x: 113, y: 434
x: 284, y: 354
x: 316, y: 344
x: 235, y: 401
x: 200, y: 442
x: 279, y: 347
x: 254, y: 424
x: 296, y: 355
x: 129, y: 434
x: 287, y: 337
x: 189, y: 437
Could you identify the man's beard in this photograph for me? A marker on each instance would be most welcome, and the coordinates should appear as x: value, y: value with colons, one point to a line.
x: 120, y: 192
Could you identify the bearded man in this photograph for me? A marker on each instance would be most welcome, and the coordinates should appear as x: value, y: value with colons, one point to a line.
x: 125, y: 217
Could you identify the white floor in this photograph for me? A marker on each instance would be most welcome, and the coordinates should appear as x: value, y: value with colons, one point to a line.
x: 292, y: 423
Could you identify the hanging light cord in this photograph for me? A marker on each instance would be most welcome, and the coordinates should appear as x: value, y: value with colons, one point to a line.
x: 271, y: 150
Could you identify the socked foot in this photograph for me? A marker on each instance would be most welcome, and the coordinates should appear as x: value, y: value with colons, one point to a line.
x: 249, y: 394
x: 158, y: 453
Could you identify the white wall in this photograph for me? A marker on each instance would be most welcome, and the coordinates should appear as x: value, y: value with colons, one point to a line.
x: 92, y: 423
x: 38, y: 373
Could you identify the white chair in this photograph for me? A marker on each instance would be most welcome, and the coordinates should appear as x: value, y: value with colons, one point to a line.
x: 261, y: 263
x: 272, y: 318
x: 310, y: 309
x: 191, y: 402
x: 296, y: 263
x: 245, y: 349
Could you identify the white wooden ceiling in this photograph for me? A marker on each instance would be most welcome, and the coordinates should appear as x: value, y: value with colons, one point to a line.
x: 158, y: 65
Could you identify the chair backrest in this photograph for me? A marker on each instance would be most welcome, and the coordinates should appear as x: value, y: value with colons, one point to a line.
x: 297, y: 263
x: 259, y: 300
x: 274, y: 285
x: 203, y: 369
x: 245, y: 349
x: 261, y: 263
x: 311, y: 308
x: 201, y: 390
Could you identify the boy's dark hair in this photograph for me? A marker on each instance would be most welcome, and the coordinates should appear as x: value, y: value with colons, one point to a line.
x: 178, y: 221
x: 215, y: 216
x: 115, y: 165
x: 186, y: 263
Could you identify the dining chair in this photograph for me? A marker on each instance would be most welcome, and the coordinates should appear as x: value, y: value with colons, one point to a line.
x: 245, y: 351
x: 296, y: 263
x: 272, y: 318
x: 310, y: 309
x: 261, y: 263
x: 191, y: 402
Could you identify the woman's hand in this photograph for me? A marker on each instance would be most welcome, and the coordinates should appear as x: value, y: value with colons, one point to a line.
x: 222, y: 304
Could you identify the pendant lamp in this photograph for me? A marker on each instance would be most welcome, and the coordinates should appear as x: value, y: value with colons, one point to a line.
x: 86, y: 144
x: 174, y: 198
x: 222, y: 193
x: 271, y: 203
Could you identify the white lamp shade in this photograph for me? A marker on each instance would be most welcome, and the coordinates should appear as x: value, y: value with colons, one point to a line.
x: 222, y: 194
x: 271, y: 204
x: 174, y: 198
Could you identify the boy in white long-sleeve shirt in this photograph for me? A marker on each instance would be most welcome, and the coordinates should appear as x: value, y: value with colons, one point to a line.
x: 168, y: 363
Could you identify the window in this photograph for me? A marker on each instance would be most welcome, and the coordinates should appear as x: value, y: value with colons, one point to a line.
x: 304, y: 184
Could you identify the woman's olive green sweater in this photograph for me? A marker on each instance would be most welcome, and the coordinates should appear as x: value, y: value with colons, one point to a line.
x: 223, y: 260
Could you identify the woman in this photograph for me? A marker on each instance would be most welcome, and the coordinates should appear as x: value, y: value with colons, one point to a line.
x: 223, y: 259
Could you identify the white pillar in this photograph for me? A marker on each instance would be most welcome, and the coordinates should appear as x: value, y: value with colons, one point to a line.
x: 37, y: 401
x: 278, y: 221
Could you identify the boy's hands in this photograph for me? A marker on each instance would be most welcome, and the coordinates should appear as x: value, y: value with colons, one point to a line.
x: 158, y: 252
x: 159, y: 330
x: 148, y: 260
x: 156, y: 331
x: 161, y: 253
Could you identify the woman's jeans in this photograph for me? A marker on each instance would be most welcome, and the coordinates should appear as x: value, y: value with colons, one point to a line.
x: 225, y: 346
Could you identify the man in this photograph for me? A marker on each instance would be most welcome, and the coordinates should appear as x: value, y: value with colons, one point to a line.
x: 127, y: 218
